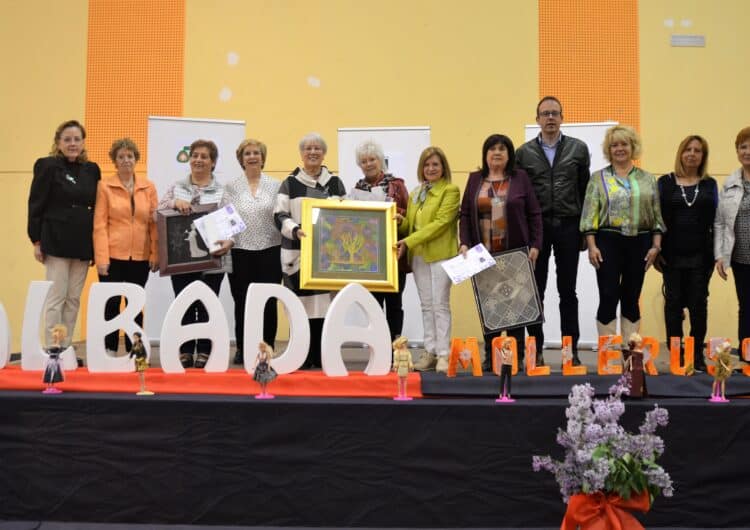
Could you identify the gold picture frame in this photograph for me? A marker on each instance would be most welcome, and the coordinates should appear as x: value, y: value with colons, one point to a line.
x: 348, y: 242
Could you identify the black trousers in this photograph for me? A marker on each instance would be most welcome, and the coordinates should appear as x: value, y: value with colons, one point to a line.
x: 122, y: 271
x: 197, y: 311
x: 394, y: 309
x: 563, y: 236
x: 620, y: 275
x: 316, y: 334
x: 686, y: 287
x: 505, y: 378
x: 254, y: 266
x: 742, y: 286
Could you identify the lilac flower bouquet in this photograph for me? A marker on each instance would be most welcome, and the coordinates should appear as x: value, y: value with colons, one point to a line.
x: 600, y: 455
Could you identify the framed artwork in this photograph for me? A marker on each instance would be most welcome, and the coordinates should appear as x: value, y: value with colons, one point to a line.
x: 348, y: 242
x: 181, y: 248
x: 506, y: 295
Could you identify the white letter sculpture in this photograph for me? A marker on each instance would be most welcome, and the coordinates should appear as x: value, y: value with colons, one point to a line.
x: 173, y: 333
x: 33, y: 355
x: 97, y: 359
x: 299, y: 327
x: 336, y: 332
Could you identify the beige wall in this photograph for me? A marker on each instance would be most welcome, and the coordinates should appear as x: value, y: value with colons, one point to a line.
x: 693, y: 91
x: 44, y: 84
x: 391, y: 64
x: 466, y: 70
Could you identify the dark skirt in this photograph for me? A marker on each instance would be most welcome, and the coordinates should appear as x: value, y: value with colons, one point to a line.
x: 264, y: 373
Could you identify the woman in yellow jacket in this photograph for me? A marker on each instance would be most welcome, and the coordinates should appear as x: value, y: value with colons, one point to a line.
x: 429, y: 234
x: 125, y: 241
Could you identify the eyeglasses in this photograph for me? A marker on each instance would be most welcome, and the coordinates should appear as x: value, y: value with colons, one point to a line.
x: 550, y: 114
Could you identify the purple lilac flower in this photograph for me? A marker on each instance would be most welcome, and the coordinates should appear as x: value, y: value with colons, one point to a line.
x: 593, y: 428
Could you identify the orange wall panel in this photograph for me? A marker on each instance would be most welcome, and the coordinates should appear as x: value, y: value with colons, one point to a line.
x: 588, y: 58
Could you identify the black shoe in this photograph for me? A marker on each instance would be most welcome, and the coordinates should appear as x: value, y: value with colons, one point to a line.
x: 540, y: 359
x: 575, y: 361
x: 186, y: 359
x: 238, y: 358
x: 79, y: 361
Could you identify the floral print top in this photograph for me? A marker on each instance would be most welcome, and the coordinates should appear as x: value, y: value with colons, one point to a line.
x: 627, y: 205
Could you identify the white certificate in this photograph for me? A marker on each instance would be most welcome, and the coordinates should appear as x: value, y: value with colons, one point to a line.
x: 462, y: 268
x: 219, y: 225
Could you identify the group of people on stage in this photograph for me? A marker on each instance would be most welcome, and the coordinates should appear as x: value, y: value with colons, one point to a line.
x: 541, y: 196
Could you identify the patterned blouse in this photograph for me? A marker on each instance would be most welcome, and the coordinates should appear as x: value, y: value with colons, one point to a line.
x: 741, y: 251
x: 257, y: 212
x: 627, y: 205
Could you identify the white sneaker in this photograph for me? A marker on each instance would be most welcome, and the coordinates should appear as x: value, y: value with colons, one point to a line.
x: 442, y: 364
x: 426, y: 362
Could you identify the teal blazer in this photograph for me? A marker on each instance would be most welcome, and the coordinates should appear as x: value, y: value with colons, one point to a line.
x: 436, y: 239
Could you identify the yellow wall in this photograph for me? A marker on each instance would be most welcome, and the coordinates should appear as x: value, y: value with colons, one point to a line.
x: 44, y: 84
x: 466, y: 70
x: 693, y: 91
x: 394, y: 63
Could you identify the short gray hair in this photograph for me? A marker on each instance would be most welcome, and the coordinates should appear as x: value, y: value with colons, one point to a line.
x: 313, y: 137
x: 370, y: 147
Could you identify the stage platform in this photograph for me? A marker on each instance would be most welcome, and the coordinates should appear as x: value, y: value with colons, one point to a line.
x: 442, y: 462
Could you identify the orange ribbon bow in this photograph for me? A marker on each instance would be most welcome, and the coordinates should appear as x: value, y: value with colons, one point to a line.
x: 599, y: 511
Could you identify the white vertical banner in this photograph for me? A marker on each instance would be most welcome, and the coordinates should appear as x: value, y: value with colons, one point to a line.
x: 169, y: 141
x: 402, y: 147
x: 592, y: 134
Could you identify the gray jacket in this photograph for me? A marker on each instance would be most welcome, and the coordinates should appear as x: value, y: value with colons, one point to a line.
x: 730, y: 196
x: 561, y: 187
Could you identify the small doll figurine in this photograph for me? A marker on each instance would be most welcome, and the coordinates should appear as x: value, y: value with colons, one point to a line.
x: 53, y: 368
x: 263, y: 372
x: 724, y: 367
x: 402, y: 365
x: 504, y: 357
x: 141, y: 363
x: 633, y: 358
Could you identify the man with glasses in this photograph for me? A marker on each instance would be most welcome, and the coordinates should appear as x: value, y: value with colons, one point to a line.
x: 558, y: 166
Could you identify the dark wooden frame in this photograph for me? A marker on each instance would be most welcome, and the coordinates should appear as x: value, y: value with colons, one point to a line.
x: 173, y: 266
x: 483, y: 298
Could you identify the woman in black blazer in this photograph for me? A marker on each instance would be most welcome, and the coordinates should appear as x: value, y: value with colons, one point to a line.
x: 60, y: 225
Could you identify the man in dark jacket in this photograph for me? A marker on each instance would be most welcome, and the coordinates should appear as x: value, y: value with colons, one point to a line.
x: 558, y: 166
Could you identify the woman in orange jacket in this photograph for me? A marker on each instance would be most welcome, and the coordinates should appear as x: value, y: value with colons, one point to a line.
x: 125, y: 241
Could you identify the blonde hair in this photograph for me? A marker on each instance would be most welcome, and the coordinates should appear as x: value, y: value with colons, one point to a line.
x: 261, y: 147
x: 622, y: 133
x: 55, y: 151
x: 427, y: 153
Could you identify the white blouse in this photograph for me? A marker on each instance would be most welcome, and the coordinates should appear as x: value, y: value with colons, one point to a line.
x: 256, y: 212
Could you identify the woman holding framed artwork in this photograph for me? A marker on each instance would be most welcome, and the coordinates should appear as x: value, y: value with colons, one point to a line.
x: 500, y: 210
x: 125, y: 241
x: 311, y: 180
x: 377, y: 185
x: 198, y: 188
x: 428, y: 237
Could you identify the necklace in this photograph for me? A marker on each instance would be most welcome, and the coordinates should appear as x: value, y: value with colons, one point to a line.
x: 684, y: 196
x: 129, y: 185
